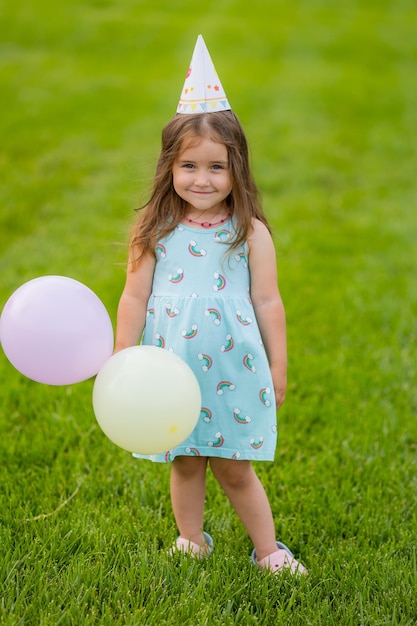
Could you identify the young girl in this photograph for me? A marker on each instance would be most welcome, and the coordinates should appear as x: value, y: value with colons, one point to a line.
x: 202, y: 282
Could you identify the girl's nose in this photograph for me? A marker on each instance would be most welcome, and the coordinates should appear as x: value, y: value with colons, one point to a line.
x: 202, y: 179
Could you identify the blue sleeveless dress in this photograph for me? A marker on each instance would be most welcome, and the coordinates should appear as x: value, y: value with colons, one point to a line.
x: 200, y: 309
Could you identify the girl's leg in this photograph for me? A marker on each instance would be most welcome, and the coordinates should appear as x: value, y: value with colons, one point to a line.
x: 188, y: 492
x: 247, y: 496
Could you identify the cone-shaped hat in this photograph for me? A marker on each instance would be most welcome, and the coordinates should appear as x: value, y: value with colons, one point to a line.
x: 202, y: 91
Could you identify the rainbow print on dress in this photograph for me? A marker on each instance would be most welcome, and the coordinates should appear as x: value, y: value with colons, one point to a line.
x: 215, y: 315
x: 247, y: 362
x: 190, y: 334
x: 192, y: 451
x: 224, y: 384
x: 229, y: 343
x: 206, y: 414
x: 159, y: 341
x: 263, y: 396
x: 171, y: 311
x: 222, y: 235
x: 242, y: 258
x: 161, y: 250
x: 219, y: 441
x: 245, y: 321
x: 192, y: 249
x: 221, y: 282
x: 257, y: 443
x: 240, y: 419
x: 207, y: 361
x: 176, y: 278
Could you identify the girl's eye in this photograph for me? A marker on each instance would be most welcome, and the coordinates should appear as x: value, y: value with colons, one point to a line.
x: 188, y: 166
x: 217, y: 167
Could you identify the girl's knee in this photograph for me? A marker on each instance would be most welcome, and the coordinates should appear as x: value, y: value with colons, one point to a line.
x: 189, y: 465
x: 231, y: 474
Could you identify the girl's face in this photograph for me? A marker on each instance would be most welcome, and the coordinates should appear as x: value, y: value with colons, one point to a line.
x: 201, y: 176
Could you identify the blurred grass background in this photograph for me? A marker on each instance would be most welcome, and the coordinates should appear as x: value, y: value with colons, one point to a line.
x: 327, y: 95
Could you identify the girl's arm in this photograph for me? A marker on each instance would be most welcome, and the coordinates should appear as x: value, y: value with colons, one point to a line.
x: 131, y: 312
x: 268, y: 305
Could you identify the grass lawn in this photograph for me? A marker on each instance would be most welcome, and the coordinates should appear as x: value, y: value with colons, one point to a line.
x: 327, y: 92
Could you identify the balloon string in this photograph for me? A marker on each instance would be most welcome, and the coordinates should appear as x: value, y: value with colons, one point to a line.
x: 61, y: 506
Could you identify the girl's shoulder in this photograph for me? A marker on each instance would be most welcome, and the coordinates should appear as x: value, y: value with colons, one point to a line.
x: 258, y: 224
x: 258, y: 232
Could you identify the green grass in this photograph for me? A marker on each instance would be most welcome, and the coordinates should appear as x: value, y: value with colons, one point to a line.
x: 327, y: 93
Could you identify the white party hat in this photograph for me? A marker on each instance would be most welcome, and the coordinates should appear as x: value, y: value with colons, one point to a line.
x: 202, y: 91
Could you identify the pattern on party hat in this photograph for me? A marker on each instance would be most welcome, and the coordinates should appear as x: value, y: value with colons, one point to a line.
x: 202, y: 91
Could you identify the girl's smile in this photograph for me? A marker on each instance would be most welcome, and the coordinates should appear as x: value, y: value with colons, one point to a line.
x: 201, y: 177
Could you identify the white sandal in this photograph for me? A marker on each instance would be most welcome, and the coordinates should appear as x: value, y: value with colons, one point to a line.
x: 185, y: 546
x: 281, y: 559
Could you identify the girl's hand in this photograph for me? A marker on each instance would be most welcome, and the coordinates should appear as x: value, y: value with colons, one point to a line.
x: 279, y: 379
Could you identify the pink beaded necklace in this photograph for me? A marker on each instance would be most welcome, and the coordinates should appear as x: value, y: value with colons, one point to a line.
x: 209, y: 224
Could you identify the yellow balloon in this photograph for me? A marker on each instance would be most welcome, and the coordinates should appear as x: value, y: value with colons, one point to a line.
x: 146, y: 399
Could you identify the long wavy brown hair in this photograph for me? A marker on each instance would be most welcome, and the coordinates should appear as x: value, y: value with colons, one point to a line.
x: 165, y: 208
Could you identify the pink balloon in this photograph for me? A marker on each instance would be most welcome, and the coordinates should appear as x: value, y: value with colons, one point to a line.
x: 56, y: 331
